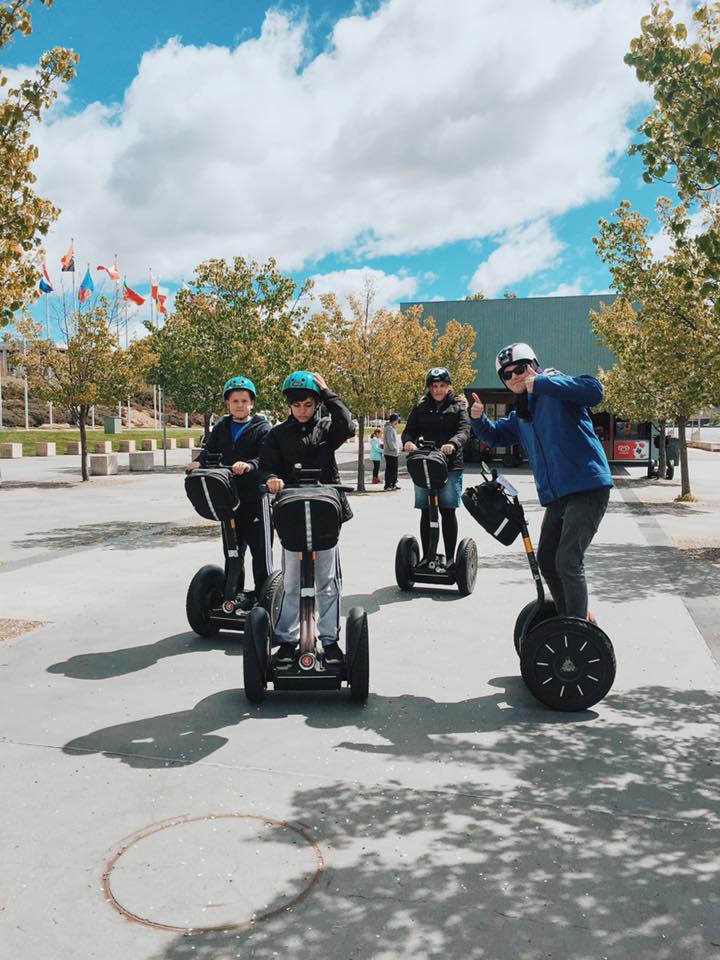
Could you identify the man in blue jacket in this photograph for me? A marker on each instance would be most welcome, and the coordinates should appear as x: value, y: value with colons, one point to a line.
x: 552, y: 424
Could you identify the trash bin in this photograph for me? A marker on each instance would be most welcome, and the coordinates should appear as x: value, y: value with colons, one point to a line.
x: 113, y: 425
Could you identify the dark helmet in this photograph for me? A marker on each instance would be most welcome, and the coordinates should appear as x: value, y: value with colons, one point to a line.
x: 438, y: 373
x: 239, y: 383
x: 300, y: 385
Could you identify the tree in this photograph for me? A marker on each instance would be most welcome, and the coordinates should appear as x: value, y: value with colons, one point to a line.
x: 89, y: 370
x: 241, y: 318
x: 670, y: 341
x: 510, y: 295
x: 479, y: 295
x: 379, y: 358
x: 24, y: 216
x: 682, y: 134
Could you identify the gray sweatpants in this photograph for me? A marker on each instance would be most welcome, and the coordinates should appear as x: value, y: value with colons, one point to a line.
x: 568, y: 527
x: 328, y: 589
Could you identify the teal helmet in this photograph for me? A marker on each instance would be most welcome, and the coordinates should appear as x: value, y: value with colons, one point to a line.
x: 239, y: 383
x: 300, y: 382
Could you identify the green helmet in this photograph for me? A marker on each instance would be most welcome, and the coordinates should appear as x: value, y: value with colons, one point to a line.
x: 239, y: 383
x: 302, y: 380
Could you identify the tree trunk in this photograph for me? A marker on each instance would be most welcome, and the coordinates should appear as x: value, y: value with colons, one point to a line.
x: 361, y: 455
x: 684, y: 470
x: 662, y: 451
x: 82, y: 412
x: 206, y: 428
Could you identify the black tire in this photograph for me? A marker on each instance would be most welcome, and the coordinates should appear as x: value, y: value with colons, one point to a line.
x: 271, y: 597
x: 508, y: 460
x: 256, y: 654
x: 567, y: 663
x: 522, y: 625
x: 206, y: 591
x: 466, y: 563
x: 357, y: 653
x: 670, y: 471
x: 407, y: 557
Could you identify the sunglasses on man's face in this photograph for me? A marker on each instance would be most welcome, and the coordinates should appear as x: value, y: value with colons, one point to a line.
x: 519, y: 368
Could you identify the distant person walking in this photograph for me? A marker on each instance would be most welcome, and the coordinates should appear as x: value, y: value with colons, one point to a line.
x: 391, y: 449
x: 376, y: 453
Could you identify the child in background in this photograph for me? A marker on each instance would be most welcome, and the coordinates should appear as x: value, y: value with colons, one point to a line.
x: 376, y: 453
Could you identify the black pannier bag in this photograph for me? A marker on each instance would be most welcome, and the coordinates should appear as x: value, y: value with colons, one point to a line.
x: 307, y: 518
x: 428, y: 468
x: 212, y: 492
x: 494, y: 512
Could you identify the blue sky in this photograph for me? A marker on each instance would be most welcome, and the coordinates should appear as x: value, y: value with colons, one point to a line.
x: 446, y: 148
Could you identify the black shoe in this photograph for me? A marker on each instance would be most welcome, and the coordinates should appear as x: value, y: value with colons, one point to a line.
x: 333, y: 654
x: 285, y: 653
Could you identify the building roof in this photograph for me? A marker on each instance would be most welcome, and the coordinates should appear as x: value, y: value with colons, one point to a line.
x: 557, y: 327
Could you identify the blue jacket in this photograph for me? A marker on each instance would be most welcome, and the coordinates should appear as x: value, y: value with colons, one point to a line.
x: 564, y: 453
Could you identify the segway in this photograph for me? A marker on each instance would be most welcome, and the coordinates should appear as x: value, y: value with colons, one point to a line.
x: 567, y: 663
x: 307, y: 518
x: 428, y: 469
x: 215, y: 599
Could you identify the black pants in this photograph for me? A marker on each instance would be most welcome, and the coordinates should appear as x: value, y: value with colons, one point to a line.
x: 568, y: 527
x: 391, y: 470
x: 254, y: 530
x: 376, y: 469
x: 448, y: 521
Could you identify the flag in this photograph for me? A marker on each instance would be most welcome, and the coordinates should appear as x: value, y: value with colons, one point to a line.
x: 45, y: 282
x: 86, y: 287
x: 129, y: 294
x: 67, y: 263
x: 113, y: 272
x: 154, y: 288
x: 161, y: 298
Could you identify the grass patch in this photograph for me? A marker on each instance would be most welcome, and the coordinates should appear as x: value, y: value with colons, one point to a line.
x: 61, y: 437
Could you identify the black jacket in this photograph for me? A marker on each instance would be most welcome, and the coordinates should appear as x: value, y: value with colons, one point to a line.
x: 447, y: 422
x: 312, y: 445
x: 247, y: 449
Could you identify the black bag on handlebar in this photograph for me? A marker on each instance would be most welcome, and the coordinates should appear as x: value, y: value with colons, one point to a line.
x: 428, y: 468
x: 494, y: 512
x: 307, y: 518
x: 212, y: 492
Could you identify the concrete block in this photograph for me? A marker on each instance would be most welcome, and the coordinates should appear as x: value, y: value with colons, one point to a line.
x: 103, y: 464
x: 103, y: 446
x: 186, y: 443
x: 149, y: 444
x: 73, y: 447
x: 170, y: 443
x: 126, y: 446
x: 10, y: 451
x: 142, y: 461
x: 45, y: 449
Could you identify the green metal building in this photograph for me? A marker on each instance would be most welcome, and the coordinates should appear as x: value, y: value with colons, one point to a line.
x: 559, y: 330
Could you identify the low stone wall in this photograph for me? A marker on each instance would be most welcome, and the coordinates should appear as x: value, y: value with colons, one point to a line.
x: 103, y: 464
x: 10, y: 451
x: 142, y: 461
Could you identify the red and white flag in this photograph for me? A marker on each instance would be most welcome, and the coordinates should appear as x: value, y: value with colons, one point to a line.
x: 132, y: 296
x: 113, y: 272
x: 67, y: 263
x: 154, y: 287
x: 161, y: 298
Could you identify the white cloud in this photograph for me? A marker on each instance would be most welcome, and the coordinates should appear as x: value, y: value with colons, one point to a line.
x: 563, y: 290
x: 521, y: 254
x: 661, y: 242
x: 420, y: 124
x: 389, y: 288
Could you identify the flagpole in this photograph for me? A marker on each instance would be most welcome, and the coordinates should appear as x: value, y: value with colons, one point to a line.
x: 47, y: 318
x: 72, y: 244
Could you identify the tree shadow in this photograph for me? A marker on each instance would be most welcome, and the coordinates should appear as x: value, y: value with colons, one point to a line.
x: 603, y: 846
x: 118, y: 663
x: 119, y: 535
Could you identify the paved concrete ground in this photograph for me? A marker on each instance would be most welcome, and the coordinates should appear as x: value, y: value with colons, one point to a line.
x: 451, y: 816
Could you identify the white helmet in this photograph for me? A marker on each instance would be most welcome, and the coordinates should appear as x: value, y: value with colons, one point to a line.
x: 512, y: 354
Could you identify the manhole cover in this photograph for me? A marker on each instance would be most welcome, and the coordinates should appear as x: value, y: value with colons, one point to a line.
x: 221, y: 872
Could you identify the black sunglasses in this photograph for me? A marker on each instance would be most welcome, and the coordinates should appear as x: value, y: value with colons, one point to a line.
x: 520, y: 367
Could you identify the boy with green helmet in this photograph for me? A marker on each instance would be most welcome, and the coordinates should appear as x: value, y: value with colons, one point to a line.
x: 307, y: 441
x: 237, y: 438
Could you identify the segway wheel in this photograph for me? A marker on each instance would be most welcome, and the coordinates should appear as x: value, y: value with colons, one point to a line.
x: 357, y: 653
x: 567, y: 663
x: 205, y: 592
x: 407, y: 557
x: 256, y: 654
x: 466, y: 567
x: 271, y: 597
x: 526, y: 621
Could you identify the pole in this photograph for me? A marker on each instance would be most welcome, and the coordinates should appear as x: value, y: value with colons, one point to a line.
x: 1, y: 412
x: 164, y: 428
x: 128, y: 414
x: 92, y: 416
x: 186, y: 421
x: 155, y: 419
x: 27, y: 418
x: 47, y: 319
x: 50, y: 405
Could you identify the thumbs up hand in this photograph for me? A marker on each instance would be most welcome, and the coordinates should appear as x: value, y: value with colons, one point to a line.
x: 477, y: 409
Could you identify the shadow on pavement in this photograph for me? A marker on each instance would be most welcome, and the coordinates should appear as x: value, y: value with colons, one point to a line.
x: 601, y: 841
x: 120, y: 535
